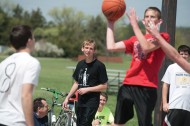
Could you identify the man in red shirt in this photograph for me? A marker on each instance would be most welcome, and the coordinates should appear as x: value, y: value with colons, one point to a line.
x: 141, y: 81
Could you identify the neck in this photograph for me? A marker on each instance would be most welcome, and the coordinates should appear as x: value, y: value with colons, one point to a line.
x: 90, y: 59
x: 39, y: 116
x: 100, y: 109
x: 24, y: 50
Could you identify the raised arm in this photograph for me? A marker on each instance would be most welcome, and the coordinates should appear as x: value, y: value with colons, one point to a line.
x: 110, y: 40
x: 169, y: 50
x: 145, y: 45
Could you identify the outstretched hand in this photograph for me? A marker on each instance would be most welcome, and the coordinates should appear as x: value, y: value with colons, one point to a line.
x: 132, y: 17
x: 153, y: 28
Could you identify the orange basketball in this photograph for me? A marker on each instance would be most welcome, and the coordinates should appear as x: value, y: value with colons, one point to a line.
x: 113, y: 9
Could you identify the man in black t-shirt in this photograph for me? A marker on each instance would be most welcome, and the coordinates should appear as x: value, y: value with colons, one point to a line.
x: 90, y: 79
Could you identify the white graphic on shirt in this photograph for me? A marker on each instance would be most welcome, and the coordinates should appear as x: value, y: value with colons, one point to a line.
x: 182, y: 79
x: 84, y: 77
x: 6, y: 76
x: 138, y: 52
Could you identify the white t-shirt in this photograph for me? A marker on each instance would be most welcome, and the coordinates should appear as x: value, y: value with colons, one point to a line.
x: 16, y: 70
x: 179, y: 93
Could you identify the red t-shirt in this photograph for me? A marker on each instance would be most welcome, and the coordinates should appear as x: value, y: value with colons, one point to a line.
x: 144, y: 69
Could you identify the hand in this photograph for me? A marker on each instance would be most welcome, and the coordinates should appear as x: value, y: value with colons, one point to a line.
x: 64, y: 105
x: 132, y: 17
x: 96, y: 122
x: 153, y: 28
x: 82, y: 91
x: 166, y: 107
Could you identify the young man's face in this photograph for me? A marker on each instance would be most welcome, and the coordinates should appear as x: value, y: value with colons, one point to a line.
x: 88, y: 50
x: 185, y: 55
x: 151, y: 16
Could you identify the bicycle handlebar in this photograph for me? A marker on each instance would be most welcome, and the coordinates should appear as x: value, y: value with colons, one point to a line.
x: 55, y: 92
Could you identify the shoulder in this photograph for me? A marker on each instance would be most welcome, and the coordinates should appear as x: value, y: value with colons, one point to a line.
x: 80, y: 62
x: 172, y: 65
x: 165, y: 35
x: 107, y: 109
x: 131, y: 39
x: 99, y: 63
x: 34, y: 61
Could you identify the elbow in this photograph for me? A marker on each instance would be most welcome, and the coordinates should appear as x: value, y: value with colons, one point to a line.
x: 105, y: 86
x: 109, y: 46
x: 110, y: 49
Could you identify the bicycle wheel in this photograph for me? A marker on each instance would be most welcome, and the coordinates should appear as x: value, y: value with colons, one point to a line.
x: 49, y: 117
x: 64, y: 120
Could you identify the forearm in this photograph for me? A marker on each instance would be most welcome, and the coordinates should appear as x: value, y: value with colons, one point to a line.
x: 141, y: 38
x: 172, y: 53
x: 165, y: 93
x: 98, y: 88
x: 110, y: 40
x: 27, y: 103
x: 73, y: 90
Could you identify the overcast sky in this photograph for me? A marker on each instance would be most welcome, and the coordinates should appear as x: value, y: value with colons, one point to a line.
x: 93, y: 7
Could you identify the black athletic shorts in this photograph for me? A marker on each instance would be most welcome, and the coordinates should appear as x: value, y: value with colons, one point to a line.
x: 177, y: 117
x: 143, y: 99
x: 85, y: 115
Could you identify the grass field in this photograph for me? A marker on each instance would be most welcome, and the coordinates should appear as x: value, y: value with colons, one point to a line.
x: 56, y: 75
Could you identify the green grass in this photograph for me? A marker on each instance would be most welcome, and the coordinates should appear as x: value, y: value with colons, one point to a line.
x: 55, y: 74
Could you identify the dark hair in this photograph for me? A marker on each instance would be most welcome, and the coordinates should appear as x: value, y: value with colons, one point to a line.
x: 38, y: 103
x: 104, y: 95
x: 19, y: 36
x: 184, y: 48
x: 155, y: 9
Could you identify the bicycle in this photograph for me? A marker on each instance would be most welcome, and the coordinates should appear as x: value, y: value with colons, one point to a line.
x: 65, y: 117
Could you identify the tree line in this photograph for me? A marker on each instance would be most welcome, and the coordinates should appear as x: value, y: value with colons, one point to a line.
x: 68, y: 28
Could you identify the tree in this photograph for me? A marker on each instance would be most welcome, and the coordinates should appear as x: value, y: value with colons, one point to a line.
x: 70, y: 25
x: 96, y: 30
x: 37, y: 19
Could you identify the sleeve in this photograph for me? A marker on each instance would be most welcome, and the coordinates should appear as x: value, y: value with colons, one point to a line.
x: 75, y: 73
x: 32, y: 72
x: 103, y: 78
x: 166, y: 77
x: 166, y: 36
x: 129, y: 43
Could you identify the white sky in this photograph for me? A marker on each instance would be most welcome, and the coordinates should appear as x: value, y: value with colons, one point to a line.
x: 93, y: 7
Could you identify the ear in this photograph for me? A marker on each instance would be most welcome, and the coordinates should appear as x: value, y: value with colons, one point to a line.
x: 82, y: 49
x: 160, y: 21
x: 143, y: 21
x: 29, y: 42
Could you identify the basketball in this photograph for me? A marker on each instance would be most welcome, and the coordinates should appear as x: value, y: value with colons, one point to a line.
x: 113, y: 9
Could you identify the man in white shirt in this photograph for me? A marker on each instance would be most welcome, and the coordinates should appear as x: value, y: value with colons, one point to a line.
x: 177, y: 85
x: 18, y: 76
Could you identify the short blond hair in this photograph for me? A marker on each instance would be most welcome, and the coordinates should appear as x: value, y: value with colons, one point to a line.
x: 88, y: 42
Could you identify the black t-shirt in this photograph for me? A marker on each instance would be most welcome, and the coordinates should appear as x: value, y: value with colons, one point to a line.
x: 89, y: 75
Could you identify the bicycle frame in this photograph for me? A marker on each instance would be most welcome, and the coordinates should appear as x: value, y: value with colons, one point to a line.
x: 65, y: 117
